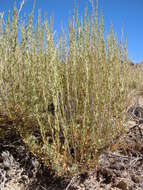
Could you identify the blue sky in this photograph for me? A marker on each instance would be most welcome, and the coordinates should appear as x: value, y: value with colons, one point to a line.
x: 125, y: 14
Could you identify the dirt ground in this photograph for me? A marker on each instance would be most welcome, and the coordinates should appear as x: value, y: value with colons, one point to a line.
x: 121, y: 168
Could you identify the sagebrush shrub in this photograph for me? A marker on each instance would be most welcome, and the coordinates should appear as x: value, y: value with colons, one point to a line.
x: 66, y: 98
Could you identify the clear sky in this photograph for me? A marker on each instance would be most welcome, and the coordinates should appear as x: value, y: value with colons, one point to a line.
x: 127, y: 14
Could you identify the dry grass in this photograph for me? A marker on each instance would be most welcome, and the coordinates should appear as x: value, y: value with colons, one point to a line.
x: 66, y: 99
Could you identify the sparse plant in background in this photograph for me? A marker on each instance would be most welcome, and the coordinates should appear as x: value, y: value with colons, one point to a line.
x: 66, y: 98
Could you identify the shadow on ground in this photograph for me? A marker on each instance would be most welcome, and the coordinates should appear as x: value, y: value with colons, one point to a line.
x: 33, y: 175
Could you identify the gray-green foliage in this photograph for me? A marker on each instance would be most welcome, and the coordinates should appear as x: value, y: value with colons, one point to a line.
x: 83, y: 74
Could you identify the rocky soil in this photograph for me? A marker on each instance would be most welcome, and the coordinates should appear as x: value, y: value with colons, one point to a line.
x: 119, y: 168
